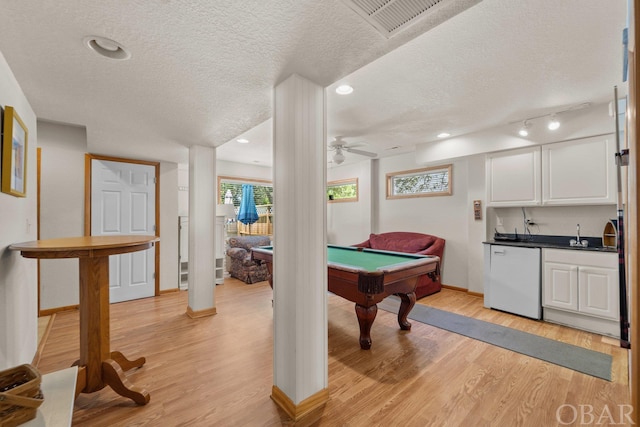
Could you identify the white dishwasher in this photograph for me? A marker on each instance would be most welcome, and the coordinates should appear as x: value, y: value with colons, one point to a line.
x: 514, y: 280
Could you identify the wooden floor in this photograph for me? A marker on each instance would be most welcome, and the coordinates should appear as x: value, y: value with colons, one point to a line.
x: 217, y: 370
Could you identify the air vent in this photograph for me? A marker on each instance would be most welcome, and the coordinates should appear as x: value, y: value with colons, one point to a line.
x: 391, y: 16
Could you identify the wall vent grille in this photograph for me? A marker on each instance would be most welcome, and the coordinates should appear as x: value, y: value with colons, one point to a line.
x: 391, y: 16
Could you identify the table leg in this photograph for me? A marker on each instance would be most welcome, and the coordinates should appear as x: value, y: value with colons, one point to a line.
x: 113, y: 376
x: 407, y: 301
x: 100, y: 366
x: 125, y: 363
x: 94, y: 319
x: 366, y: 316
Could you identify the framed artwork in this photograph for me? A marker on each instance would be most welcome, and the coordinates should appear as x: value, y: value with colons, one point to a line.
x: 14, y: 154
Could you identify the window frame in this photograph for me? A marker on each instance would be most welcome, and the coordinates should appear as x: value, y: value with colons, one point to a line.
x: 391, y: 175
x: 239, y: 180
x: 343, y: 182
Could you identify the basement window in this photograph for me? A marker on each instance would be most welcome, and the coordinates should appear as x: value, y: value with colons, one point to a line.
x: 345, y: 190
x: 425, y: 182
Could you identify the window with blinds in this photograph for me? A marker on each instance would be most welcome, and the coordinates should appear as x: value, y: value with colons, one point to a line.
x: 230, y: 192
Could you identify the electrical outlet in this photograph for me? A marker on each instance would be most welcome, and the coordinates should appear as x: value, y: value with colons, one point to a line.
x: 499, y: 221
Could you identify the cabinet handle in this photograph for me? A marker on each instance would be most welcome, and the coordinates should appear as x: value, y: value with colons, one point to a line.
x: 498, y: 251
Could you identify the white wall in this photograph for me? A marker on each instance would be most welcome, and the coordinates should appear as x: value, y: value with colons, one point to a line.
x: 349, y: 223
x: 552, y: 220
x: 449, y: 217
x: 442, y: 216
x: 18, y: 281
x: 62, y: 212
x: 169, y: 196
x: 476, y: 190
x: 63, y: 149
x: 225, y: 168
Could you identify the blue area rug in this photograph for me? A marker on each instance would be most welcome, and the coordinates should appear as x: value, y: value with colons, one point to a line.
x: 569, y: 356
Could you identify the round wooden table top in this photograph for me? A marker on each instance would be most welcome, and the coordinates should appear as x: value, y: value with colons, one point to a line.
x: 86, y: 246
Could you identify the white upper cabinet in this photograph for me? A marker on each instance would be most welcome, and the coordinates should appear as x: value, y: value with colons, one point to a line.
x: 513, y: 177
x: 579, y: 172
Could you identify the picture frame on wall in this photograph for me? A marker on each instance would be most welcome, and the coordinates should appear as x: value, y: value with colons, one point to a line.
x: 14, y: 154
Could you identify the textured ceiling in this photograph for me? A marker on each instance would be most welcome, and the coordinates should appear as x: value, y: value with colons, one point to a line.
x: 202, y: 72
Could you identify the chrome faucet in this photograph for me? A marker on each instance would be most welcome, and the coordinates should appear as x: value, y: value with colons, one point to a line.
x: 577, y: 242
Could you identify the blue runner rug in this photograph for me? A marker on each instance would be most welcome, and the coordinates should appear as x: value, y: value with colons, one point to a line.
x: 569, y: 356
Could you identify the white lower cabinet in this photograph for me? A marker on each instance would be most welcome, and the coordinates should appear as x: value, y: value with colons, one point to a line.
x: 580, y: 289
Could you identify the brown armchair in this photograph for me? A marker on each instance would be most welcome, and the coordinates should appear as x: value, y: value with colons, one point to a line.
x: 415, y: 243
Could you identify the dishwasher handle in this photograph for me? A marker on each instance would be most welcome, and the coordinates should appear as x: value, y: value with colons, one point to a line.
x: 496, y: 251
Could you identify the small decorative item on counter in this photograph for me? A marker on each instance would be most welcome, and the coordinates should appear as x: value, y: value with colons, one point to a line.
x: 20, y: 395
x: 610, y: 234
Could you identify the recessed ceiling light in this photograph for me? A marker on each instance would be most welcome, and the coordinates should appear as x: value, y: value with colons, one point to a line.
x: 242, y: 141
x: 344, y: 90
x: 443, y: 135
x: 106, y: 47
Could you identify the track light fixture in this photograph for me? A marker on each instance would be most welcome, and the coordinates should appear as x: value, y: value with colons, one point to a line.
x: 553, y: 122
x: 524, y: 130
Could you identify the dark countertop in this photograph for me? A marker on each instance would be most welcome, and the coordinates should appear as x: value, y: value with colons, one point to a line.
x: 545, y: 241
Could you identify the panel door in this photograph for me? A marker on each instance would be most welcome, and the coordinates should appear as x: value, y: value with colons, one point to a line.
x: 560, y: 286
x: 123, y: 202
x: 598, y: 292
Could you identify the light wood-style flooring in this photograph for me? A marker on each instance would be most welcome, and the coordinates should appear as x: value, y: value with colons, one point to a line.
x: 217, y: 370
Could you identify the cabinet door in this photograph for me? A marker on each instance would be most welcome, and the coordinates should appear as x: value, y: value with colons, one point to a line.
x: 560, y: 287
x: 579, y: 172
x: 598, y: 291
x: 513, y: 177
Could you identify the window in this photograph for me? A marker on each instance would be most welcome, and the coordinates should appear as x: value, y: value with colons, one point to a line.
x: 433, y: 181
x: 231, y: 187
x: 345, y: 190
x: 230, y: 190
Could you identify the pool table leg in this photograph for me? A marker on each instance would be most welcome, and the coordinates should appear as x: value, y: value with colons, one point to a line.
x: 366, y: 316
x: 406, y: 304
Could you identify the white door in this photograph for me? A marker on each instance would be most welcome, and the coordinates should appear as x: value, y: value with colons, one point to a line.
x: 123, y: 202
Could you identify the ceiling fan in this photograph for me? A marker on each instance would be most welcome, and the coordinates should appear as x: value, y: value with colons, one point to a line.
x: 339, y: 145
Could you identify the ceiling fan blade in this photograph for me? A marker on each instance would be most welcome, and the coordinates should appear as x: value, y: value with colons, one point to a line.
x: 361, y: 152
x: 354, y: 144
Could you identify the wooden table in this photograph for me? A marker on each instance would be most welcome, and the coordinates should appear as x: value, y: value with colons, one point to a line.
x: 98, y: 366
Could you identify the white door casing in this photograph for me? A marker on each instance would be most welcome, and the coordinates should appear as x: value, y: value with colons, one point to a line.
x: 123, y: 202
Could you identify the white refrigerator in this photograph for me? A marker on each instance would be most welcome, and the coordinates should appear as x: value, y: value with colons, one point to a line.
x: 514, y: 280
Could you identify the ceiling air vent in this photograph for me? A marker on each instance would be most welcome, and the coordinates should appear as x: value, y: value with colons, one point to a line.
x: 391, y: 16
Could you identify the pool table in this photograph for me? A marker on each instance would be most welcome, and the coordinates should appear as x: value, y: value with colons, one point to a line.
x: 366, y: 277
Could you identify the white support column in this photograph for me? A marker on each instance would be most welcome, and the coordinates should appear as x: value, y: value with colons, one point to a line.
x: 202, y: 213
x: 300, y: 251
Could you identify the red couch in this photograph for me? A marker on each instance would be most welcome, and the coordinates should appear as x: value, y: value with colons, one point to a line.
x: 415, y: 243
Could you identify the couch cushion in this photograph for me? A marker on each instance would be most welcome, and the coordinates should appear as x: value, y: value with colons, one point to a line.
x: 248, y: 242
x: 411, y: 245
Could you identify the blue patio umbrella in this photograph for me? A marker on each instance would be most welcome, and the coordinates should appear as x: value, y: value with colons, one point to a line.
x: 248, y: 214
